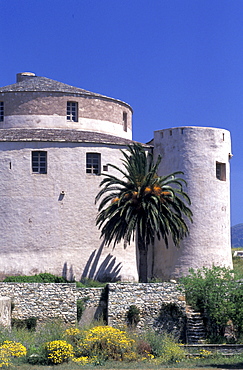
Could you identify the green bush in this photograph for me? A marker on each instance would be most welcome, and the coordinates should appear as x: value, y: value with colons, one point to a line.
x: 40, y: 278
x: 29, y: 324
x: 218, y: 296
x: 90, y: 283
x: 164, y: 347
x: 80, y: 308
x: 171, y: 351
x: 107, y: 343
x: 133, y: 315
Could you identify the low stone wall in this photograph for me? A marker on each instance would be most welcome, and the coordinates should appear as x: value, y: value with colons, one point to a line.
x: 44, y: 301
x: 225, y: 349
x: 162, y: 306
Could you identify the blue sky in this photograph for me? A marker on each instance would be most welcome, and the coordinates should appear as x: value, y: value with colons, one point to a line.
x: 176, y: 62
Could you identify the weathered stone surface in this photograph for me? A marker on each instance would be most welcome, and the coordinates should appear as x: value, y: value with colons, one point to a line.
x: 5, y: 312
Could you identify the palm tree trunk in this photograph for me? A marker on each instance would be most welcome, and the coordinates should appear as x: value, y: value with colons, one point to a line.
x: 143, y: 265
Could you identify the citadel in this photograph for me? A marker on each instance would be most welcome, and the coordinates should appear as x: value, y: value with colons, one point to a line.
x: 55, y: 141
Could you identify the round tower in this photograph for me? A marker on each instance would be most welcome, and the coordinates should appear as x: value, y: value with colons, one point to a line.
x: 56, y: 141
x: 203, y: 154
x: 42, y: 103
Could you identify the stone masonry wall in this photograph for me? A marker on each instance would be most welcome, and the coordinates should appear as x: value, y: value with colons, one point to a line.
x: 162, y: 306
x: 44, y: 301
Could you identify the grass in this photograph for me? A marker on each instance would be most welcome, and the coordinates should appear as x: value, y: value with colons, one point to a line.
x: 54, y: 330
x: 219, y: 361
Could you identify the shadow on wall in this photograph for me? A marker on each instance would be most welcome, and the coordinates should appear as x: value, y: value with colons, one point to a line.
x: 67, y: 273
x: 108, y: 271
x: 171, y: 319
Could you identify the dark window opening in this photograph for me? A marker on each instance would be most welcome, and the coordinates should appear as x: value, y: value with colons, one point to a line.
x: 72, y: 111
x: 1, y: 111
x: 93, y: 163
x: 124, y: 121
x: 221, y: 171
x: 39, y: 162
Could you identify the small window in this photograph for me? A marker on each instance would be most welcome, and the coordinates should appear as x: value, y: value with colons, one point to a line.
x: 93, y: 163
x: 1, y: 111
x: 72, y: 111
x: 124, y: 121
x: 39, y: 162
x: 221, y: 171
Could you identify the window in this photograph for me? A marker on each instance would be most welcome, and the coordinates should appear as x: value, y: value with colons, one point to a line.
x: 221, y: 171
x: 72, y: 111
x: 39, y: 162
x: 93, y: 163
x: 1, y: 111
x: 124, y: 121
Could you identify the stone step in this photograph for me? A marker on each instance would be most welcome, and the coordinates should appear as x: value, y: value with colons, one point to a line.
x: 195, y: 326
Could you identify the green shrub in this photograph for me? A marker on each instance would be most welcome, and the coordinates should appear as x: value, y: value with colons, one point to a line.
x: 90, y: 283
x: 210, y: 291
x: 164, y: 347
x: 133, y: 315
x: 29, y: 324
x: 171, y: 351
x: 40, y: 278
x: 107, y: 343
x: 80, y: 308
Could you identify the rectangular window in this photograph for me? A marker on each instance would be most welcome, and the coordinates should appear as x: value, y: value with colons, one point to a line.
x: 124, y: 121
x: 39, y: 162
x: 72, y: 111
x: 221, y: 171
x: 1, y: 111
x: 93, y: 163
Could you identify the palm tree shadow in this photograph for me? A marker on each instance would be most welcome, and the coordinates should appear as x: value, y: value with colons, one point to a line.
x: 108, y: 271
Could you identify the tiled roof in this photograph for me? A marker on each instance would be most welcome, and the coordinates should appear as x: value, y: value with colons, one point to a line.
x: 43, y: 84
x: 58, y: 135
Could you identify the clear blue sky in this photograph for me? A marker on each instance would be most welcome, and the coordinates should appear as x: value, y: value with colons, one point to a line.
x: 176, y: 62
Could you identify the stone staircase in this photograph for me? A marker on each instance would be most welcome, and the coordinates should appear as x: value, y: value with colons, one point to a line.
x: 195, y: 331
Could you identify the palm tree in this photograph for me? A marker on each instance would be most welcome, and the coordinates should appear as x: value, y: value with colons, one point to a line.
x: 140, y: 204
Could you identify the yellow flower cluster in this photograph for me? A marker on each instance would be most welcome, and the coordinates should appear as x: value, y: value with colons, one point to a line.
x: 72, y: 331
x: 205, y: 353
x: 59, y: 351
x: 108, y: 342
x: 11, y: 349
x: 14, y: 349
x: 81, y: 360
x: 4, y: 358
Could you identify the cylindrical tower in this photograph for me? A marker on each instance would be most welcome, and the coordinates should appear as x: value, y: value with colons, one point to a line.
x: 56, y: 141
x: 203, y: 154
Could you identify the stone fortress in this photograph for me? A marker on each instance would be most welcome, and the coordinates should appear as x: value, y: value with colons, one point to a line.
x: 55, y: 141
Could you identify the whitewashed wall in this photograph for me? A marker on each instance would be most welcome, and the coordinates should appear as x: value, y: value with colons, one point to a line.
x: 195, y: 151
x: 41, y: 231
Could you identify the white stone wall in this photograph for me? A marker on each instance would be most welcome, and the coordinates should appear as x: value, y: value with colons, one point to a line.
x: 195, y: 151
x: 42, y: 231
